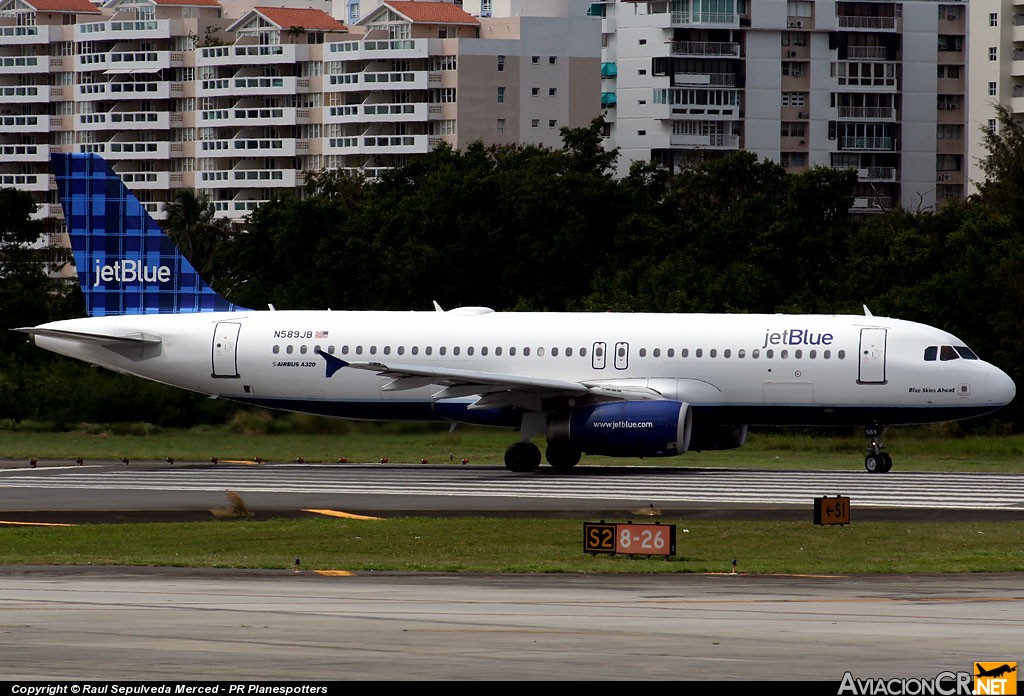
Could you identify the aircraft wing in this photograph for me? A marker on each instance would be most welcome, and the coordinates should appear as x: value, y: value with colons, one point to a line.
x: 498, y: 389
x: 109, y: 340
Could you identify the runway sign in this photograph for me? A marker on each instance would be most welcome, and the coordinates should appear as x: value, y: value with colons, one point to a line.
x: 832, y: 510
x: 640, y: 539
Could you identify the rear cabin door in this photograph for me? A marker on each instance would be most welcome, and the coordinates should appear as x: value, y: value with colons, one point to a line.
x: 225, y: 349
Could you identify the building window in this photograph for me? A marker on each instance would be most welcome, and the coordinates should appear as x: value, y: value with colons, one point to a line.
x: 794, y: 129
x: 552, y: 91
x: 535, y: 91
x: 501, y: 63
x: 992, y: 53
x: 991, y: 89
x: 501, y: 95
x: 792, y: 159
x: 501, y: 126
x: 794, y: 98
x: 535, y: 60
x: 949, y: 131
x: 991, y: 125
x: 993, y: 19
x: 552, y: 123
x: 949, y: 71
x: 552, y: 60
x: 534, y: 123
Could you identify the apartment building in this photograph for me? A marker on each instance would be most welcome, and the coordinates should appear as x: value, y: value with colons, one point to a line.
x: 873, y: 86
x: 181, y: 94
x: 995, y: 75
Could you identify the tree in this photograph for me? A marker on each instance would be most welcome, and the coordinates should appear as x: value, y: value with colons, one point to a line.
x: 192, y: 226
x: 28, y: 296
x: 1003, y: 187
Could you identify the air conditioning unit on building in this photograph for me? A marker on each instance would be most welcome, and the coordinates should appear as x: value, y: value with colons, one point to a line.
x: 792, y: 25
x: 944, y: 177
x: 804, y: 114
x: 792, y: 54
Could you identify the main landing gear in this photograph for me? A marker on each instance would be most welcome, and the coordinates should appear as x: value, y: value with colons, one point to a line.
x: 877, y: 461
x: 522, y: 457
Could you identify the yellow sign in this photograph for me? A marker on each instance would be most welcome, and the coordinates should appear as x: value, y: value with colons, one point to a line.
x: 832, y: 510
x: 995, y: 678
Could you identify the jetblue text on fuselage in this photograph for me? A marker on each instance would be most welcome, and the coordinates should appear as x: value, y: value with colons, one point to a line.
x: 796, y: 337
x: 130, y: 271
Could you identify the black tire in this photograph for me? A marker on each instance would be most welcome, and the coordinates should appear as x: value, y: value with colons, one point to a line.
x: 885, y: 465
x: 562, y: 456
x: 522, y: 457
x: 873, y: 463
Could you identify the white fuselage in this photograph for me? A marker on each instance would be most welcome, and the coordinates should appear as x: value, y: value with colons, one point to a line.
x: 751, y: 369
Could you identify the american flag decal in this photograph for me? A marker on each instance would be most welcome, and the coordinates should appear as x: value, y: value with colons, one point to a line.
x: 321, y: 334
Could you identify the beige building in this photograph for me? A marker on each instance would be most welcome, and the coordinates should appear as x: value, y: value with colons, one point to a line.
x: 179, y: 94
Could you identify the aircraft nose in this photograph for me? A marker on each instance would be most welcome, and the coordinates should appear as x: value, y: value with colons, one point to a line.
x: 999, y: 387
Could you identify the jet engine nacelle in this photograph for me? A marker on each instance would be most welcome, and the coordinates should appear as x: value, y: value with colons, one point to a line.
x: 625, y: 428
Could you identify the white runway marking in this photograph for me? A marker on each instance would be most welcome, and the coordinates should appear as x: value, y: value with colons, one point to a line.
x: 655, y: 486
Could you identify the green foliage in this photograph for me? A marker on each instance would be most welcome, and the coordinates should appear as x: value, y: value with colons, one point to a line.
x: 527, y: 227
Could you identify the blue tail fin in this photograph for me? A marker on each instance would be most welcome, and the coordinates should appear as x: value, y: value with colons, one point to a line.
x: 126, y: 264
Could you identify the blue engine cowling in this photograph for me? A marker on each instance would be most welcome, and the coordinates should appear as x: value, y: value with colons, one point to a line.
x: 625, y: 428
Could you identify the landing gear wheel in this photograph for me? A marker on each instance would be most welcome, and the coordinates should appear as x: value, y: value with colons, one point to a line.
x: 877, y: 461
x: 885, y: 464
x: 873, y: 463
x: 562, y: 456
x: 522, y: 457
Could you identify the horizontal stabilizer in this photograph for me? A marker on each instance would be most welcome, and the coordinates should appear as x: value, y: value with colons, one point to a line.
x: 136, y: 338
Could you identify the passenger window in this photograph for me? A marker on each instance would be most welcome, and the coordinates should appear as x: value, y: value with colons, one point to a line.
x: 456, y: 350
x: 784, y: 354
x: 483, y: 350
x: 429, y: 350
x: 684, y: 353
x: 583, y: 352
x: 699, y: 353
x: 443, y: 350
x: 497, y: 351
x: 827, y: 354
x: 512, y: 350
x: 469, y: 351
x: 770, y: 353
x: 713, y: 353
x: 277, y: 349
x: 373, y: 350
x: 841, y: 355
x: 330, y: 349
x: 302, y: 349
x: 289, y: 350
x: 798, y: 353
x: 415, y: 350
x: 813, y: 354
x: 401, y: 350
x: 643, y: 352
x: 359, y: 350
x: 387, y: 350
x: 756, y: 353
x: 727, y: 353
x: 741, y: 353
x: 671, y: 352
x: 947, y: 353
x: 540, y: 352
x: 554, y: 352
x: 526, y: 351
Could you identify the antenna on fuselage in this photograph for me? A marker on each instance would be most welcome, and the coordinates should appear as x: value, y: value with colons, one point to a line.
x: 867, y: 312
x: 437, y: 307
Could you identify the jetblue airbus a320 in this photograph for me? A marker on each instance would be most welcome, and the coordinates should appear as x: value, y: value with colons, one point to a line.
x: 630, y: 385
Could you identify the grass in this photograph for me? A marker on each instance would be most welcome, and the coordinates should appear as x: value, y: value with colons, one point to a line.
x: 913, y: 449
x: 509, y: 545
x: 520, y: 545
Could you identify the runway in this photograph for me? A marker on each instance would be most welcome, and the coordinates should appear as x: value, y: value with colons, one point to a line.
x: 138, y: 624
x: 431, y: 489
x: 248, y: 625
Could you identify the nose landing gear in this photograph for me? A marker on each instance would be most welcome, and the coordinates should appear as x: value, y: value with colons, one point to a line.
x: 877, y: 461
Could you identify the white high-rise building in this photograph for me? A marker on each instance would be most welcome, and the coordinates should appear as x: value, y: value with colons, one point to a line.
x: 873, y: 86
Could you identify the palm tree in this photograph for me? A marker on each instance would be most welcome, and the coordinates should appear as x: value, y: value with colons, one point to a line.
x: 199, y: 235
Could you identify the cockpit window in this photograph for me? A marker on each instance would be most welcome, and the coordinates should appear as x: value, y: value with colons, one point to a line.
x: 966, y: 353
x: 949, y: 353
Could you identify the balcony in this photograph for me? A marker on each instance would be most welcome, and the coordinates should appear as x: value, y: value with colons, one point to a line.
x: 363, y: 81
x: 711, y: 79
x: 24, y: 153
x: 872, y: 53
x: 877, y: 174
x: 128, y: 120
x: 20, y: 36
x: 690, y: 18
x: 123, y: 31
x: 24, y: 124
x: 867, y: 113
x: 376, y: 50
x: 852, y: 142
x: 356, y: 113
x: 247, y: 55
x: 17, y: 65
x: 248, y: 147
x: 868, y: 23
x: 715, y: 141
x: 871, y: 204
x: 26, y: 182
x: 138, y: 150
x: 159, y: 181
x: 722, y: 49
x: 378, y: 144
x: 24, y: 95
x: 139, y: 60
x: 248, y: 178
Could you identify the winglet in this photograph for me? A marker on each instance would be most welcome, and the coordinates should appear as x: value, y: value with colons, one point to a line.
x: 125, y: 262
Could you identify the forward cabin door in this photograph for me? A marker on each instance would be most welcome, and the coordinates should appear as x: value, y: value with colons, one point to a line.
x: 872, y: 356
x: 225, y: 349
